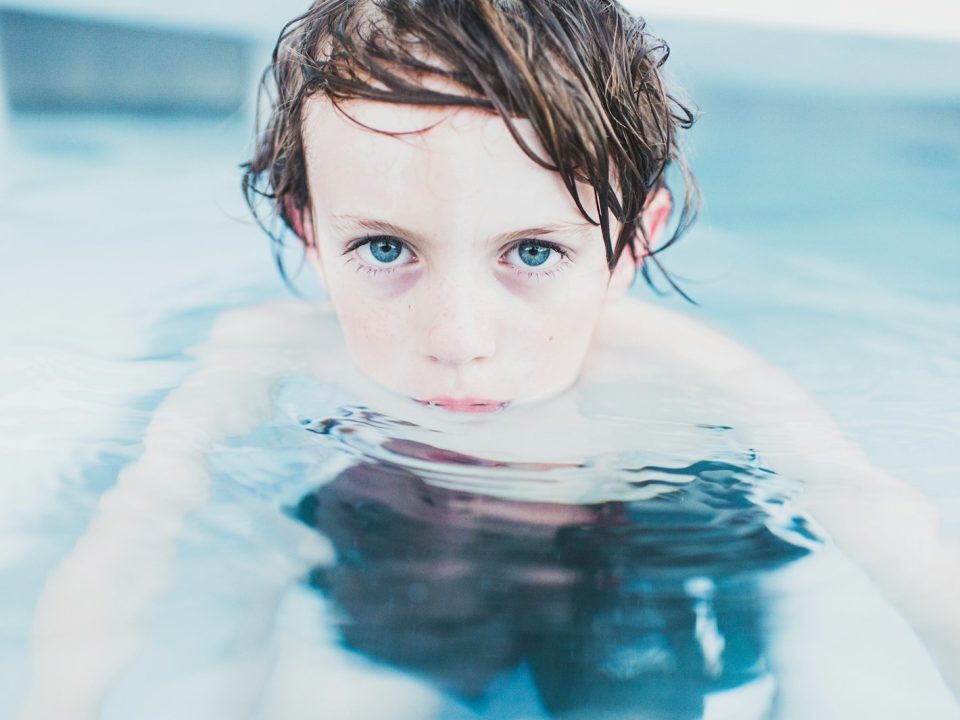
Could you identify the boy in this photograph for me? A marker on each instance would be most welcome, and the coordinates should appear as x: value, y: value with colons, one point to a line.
x: 476, y: 184
x: 445, y: 190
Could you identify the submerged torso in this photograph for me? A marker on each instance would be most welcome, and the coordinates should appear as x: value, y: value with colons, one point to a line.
x: 628, y: 544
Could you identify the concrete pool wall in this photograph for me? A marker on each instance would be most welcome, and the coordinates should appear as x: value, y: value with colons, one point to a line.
x: 68, y: 63
x: 184, y: 57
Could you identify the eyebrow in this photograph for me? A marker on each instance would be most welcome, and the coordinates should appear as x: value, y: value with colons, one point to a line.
x: 349, y: 223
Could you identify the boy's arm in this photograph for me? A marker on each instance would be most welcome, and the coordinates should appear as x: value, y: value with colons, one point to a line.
x: 87, y: 624
x: 890, y: 529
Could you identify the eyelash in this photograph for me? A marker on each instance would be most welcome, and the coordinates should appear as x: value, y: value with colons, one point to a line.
x: 526, y: 274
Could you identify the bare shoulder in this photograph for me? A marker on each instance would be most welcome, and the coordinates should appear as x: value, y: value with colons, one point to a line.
x: 771, y: 409
x: 287, y: 336
x: 269, y: 323
x: 633, y: 324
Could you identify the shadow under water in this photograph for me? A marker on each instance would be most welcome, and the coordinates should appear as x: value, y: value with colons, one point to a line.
x: 639, y: 609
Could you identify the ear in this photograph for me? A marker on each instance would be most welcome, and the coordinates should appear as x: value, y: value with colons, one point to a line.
x: 296, y: 217
x: 301, y: 222
x: 656, y: 213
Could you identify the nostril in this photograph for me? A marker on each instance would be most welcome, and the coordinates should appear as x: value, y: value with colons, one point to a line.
x: 434, y: 360
x: 456, y: 342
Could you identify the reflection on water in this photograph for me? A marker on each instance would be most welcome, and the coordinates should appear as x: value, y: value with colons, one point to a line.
x: 641, y: 608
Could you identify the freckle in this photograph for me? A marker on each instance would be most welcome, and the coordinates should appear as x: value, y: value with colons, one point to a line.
x: 551, y: 338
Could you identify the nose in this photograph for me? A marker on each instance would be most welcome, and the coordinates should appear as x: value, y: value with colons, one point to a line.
x: 460, y: 328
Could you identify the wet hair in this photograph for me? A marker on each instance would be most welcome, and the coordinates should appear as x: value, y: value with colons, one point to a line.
x: 585, y: 73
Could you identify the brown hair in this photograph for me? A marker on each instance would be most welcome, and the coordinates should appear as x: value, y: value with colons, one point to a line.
x: 585, y: 73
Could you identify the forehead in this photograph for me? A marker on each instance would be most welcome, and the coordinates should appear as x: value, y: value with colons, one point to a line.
x: 453, y: 164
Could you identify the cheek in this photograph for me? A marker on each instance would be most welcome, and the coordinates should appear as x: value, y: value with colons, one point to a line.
x: 371, y: 327
x: 554, y: 339
x: 566, y: 319
x: 370, y: 307
x: 568, y: 332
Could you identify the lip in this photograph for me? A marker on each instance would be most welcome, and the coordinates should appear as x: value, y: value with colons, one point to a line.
x: 465, y: 404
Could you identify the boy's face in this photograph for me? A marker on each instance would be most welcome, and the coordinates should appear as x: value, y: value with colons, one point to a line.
x: 482, y: 283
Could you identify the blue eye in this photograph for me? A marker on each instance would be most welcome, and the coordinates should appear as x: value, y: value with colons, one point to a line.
x: 533, y: 254
x: 385, y: 250
x: 379, y: 254
x: 537, y: 259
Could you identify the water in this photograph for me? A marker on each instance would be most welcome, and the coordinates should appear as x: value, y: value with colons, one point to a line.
x: 450, y: 569
x: 645, y: 562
